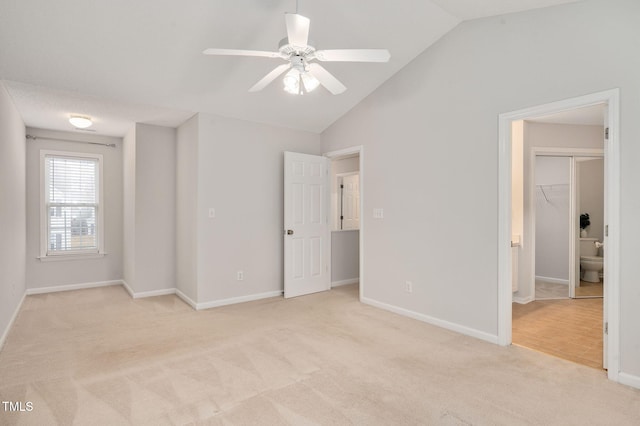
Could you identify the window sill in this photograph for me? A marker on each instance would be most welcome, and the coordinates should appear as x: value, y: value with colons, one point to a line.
x: 66, y: 257
x: 344, y: 230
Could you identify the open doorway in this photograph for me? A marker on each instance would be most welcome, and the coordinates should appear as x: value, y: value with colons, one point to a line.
x: 567, y: 213
x: 557, y: 321
x: 523, y: 290
x: 345, y: 179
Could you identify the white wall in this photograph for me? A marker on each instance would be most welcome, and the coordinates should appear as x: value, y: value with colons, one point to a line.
x: 240, y: 174
x: 129, y: 205
x: 431, y: 141
x: 345, y: 165
x: 517, y: 181
x: 552, y: 180
x: 150, y: 208
x: 187, y: 207
x: 59, y: 273
x: 345, y: 256
x: 590, y: 175
x: 12, y: 211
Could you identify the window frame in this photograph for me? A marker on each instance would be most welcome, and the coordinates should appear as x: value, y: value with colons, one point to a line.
x: 45, y: 253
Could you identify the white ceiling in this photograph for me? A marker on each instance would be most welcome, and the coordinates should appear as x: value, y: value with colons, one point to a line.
x: 123, y: 61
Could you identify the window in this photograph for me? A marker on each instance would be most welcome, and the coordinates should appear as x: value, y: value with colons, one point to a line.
x: 71, y: 205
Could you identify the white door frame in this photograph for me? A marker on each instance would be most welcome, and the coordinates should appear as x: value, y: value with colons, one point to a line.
x: 334, y: 155
x: 612, y: 213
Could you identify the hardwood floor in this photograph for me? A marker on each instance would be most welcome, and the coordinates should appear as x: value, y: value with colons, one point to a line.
x: 587, y: 289
x: 570, y: 329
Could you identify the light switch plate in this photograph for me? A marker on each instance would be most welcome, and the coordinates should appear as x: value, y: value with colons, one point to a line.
x: 378, y: 213
x: 212, y: 213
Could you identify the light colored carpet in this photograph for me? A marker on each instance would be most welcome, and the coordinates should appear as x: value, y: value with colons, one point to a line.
x: 98, y: 357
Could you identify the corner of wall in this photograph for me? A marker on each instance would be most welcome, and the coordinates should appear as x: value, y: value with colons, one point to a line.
x: 12, y: 212
x: 128, y: 204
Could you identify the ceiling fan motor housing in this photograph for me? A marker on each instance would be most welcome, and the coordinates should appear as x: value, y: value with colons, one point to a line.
x: 298, y: 62
x: 287, y: 49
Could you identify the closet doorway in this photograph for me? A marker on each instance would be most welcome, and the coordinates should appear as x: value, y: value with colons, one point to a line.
x: 567, y: 213
x: 345, y: 177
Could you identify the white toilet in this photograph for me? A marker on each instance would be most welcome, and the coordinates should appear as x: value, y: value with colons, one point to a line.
x: 590, y: 263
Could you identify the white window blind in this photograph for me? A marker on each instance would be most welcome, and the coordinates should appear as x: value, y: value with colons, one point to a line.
x: 71, y: 204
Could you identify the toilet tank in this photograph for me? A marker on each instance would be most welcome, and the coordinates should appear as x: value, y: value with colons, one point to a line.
x: 588, y: 247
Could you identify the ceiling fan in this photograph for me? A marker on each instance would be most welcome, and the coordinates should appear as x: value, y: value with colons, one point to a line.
x: 303, y: 74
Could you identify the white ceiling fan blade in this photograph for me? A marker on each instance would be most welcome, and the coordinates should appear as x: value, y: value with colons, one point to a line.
x: 297, y: 29
x: 270, y: 77
x: 353, y: 55
x: 325, y: 78
x: 237, y: 52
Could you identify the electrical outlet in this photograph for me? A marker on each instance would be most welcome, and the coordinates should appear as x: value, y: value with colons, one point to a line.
x: 240, y: 275
x: 408, y: 286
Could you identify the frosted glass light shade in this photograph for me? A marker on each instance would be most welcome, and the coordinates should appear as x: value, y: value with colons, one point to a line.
x: 295, y: 79
x: 310, y: 82
x: 292, y: 82
x: 80, y: 122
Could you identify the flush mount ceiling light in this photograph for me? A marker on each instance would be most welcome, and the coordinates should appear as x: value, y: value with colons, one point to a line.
x: 79, y: 121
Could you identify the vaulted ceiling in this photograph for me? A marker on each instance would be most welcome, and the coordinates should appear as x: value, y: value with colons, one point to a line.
x: 123, y: 61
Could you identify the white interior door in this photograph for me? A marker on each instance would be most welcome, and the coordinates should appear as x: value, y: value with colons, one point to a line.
x: 307, y: 244
x: 351, y: 202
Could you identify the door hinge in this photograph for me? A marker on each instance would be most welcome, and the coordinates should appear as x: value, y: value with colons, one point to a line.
x: 606, y: 230
x: 606, y: 328
x: 606, y: 133
x: 341, y: 186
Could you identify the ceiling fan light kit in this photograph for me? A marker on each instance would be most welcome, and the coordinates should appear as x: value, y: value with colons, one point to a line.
x: 302, y: 74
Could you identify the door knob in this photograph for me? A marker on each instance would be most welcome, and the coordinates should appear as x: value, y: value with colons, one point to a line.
x: 289, y: 231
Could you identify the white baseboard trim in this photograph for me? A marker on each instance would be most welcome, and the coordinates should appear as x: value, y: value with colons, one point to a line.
x: 552, y: 280
x: 6, y: 331
x: 523, y: 300
x: 143, y: 294
x: 344, y: 282
x: 234, y: 300
x: 69, y: 287
x: 186, y: 299
x: 433, y: 321
x: 629, y: 380
x: 129, y: 289
x: 154, y: 293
